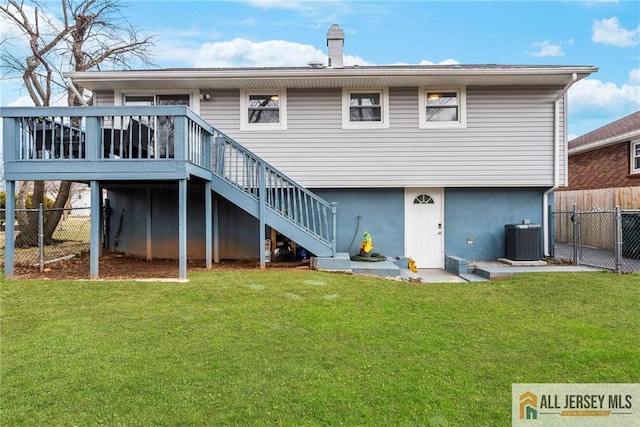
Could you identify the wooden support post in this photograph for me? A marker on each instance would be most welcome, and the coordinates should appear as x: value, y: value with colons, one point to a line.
x: 262, y: 200
x: 94, y: 242
x: 182, y: 227
x: 216, y: 229
x: 207, y: 225
x: 148, y: 223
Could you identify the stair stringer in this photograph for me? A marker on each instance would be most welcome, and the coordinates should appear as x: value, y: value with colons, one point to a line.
x: 251, y: 205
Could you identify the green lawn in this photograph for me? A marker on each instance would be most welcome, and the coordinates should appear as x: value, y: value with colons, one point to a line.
x: 306, y: 348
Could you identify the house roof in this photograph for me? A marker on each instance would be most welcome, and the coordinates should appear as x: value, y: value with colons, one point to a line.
x: 625, y: 129
x: 315, y: 76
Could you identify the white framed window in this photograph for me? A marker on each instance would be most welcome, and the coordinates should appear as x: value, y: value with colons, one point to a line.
x: 442, y: 107
x: 635, y: 157
x: 159, y: 131
x: 263, y: 109
x: 365, y: 108
x: 149, y: 97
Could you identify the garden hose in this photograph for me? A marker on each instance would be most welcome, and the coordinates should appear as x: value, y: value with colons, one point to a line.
x: 374, y: 257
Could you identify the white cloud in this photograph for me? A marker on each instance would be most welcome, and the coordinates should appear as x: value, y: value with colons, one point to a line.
x: 634, y: 76
x: 245, y: 53
x: 608, y: 31
x: 592, y: 93
x: 447, y: 61
x: 241, y: 52
x: 174, y: 54
x: 546, y: 48
x: 9, y: 31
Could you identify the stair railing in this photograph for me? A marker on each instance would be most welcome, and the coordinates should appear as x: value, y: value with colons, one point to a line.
x: 283, y: 196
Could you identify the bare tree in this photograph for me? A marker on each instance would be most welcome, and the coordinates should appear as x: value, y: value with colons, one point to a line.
x: 82, y: 35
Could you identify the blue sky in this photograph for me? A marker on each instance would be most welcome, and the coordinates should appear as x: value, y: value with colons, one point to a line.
x: 605, y: 34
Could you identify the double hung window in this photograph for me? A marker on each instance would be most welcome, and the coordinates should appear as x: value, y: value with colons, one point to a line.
x: 263, y: 109
x: 365, y: 108
x: 635, y: 157
x: 442, y: 107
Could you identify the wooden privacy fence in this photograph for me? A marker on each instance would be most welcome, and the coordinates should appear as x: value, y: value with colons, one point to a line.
x: 601, y: 198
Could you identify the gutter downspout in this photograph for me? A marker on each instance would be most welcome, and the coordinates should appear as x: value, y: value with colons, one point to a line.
x: 75, y: 92
x: 556, y: 161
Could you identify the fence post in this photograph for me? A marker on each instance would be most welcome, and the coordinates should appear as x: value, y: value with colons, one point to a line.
x: 575, y: 217
x: 618, y: 239
x: 41, y: 236
x: 9, y: 228
x: 551, y: 233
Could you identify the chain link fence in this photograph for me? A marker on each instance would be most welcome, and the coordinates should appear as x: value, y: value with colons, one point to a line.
x: 70, y: 237
x: 608, y: 239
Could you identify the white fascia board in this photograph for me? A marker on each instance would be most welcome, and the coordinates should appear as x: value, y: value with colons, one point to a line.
x: 629, y: 136
x: 348, y: 71
x: 313, y: 73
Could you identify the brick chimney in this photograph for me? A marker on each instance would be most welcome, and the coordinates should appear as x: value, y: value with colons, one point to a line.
x: 335, y: 41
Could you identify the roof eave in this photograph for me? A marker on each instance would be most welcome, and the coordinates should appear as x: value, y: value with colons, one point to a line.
x: 606, y: 142
x: 303, y: 76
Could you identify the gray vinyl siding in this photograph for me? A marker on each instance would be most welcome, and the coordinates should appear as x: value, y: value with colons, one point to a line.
x: 564, y: 166
x: 103, y: 98
x: 508, y: 141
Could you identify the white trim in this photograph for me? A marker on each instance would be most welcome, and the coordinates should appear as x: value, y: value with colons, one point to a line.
x: 422, y: 108
x: 605, y: 142
x: 346, y: 109
x: 244, y: 110
x: 301, y: 77
x: 632, y: 156
x: 194, y: 96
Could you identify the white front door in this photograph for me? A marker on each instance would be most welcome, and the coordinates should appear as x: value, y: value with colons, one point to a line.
x: 424, y: 227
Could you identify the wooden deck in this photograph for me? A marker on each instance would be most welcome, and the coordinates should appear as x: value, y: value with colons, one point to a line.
x: 99, y: 145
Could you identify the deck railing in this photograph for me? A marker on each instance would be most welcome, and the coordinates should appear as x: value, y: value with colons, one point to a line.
x: 106, y: 133
x: 158, y: 133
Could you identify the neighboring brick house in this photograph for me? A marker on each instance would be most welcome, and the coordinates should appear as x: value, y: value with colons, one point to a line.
x: 606, y: 158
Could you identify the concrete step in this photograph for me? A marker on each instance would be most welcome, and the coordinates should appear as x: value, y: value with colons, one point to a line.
x: 493, y: 272
x: 340, y: 262
x: 381, y: 268
x: 470, y: 277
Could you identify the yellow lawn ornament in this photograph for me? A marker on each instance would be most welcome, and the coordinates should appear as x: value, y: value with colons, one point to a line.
x: 366, y: 246
x: 412, y: 265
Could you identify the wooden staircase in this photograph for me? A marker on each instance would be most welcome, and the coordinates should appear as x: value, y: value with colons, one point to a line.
x: 256, y: 186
